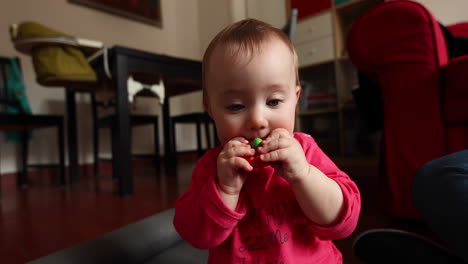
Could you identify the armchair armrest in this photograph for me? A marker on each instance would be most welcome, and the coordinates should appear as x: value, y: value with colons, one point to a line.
x: 459, y: 29
x: 455, y: 93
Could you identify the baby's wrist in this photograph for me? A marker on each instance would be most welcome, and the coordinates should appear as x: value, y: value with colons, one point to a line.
x: 299, y: 177
x: 229, y: 199
x: 226, y: 190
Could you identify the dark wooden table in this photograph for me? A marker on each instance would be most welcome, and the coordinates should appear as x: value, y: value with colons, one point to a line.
x: 179, y: 75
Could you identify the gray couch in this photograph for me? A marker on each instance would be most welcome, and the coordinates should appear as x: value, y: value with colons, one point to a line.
x: 151, y: 240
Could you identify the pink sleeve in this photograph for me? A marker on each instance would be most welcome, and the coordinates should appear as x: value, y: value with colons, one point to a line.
x: 352, y: 199
x: 201, y: 217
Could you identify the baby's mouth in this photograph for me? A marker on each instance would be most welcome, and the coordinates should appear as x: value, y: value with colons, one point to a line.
x: 256, y: 142
x: 255, y: 159
x: 252, y: 138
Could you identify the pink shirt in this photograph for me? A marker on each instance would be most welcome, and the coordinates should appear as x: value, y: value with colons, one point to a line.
x: 268, y: 225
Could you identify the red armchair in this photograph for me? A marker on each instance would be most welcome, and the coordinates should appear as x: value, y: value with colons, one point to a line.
x: 402, y: 47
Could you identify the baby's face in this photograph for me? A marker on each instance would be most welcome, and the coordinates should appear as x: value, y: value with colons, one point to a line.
x: 251, y: 96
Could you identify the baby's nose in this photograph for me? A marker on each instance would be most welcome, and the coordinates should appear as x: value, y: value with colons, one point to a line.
x: 257, y: 120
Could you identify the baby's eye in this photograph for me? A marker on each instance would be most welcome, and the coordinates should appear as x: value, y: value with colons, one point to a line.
x: 274, y: 102
x: 235, y: 107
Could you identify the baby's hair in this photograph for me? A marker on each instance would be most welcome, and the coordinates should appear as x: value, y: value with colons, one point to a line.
x: 245, y: 36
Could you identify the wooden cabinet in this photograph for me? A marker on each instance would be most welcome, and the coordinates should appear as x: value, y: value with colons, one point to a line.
x: 315, y: 51
x: 326, y: 108
x: 314, y: 27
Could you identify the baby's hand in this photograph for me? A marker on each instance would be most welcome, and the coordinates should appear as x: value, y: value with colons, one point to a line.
x: 232, y: 166
x: 285, y: 154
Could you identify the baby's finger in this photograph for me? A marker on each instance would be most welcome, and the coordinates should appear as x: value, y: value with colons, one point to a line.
x: 272, y: 145
x: 241, y: 140
x: 244, y: 151
x: 236, y: 142
x: 240, y: 151
x: 272, y: 137
x: 274, y: 156
x: 232, y: 144
x: 241, y: 163
x: 277, y: 133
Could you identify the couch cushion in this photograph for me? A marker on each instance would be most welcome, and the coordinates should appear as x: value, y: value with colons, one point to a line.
x: 133, y: 243
x: 181, y: 252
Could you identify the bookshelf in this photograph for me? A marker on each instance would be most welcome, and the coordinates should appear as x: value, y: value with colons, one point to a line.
x: 326, y: 108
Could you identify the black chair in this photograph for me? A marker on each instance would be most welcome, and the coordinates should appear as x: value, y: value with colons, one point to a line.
x: 198, y: 118
x: 24, y: 122
x: 108, y: 121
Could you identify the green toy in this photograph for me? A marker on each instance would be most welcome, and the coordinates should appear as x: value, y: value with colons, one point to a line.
x: 255, y: 159
x: 257, y: 142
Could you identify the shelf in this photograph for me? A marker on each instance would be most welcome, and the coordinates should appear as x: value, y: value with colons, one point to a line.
x: 340, y: 58
x: 347, y: 4
x: 343, y: 58
x: 355, y: 8
x: 318, y: 112
x: 357, y: 5
x: 317, y: 13
x: 317, y: 63
x: 337, y: 126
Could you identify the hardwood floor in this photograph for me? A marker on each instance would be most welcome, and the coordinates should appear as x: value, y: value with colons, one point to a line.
x: 44, y: 218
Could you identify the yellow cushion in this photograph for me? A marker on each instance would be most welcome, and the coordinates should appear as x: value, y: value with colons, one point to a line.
x: 34, y: 30
x: 56, y: 64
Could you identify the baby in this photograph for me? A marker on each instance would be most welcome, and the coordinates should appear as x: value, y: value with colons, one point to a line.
x: 290, y: 209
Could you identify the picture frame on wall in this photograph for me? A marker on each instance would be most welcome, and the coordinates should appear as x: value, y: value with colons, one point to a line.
x: 146, y: 11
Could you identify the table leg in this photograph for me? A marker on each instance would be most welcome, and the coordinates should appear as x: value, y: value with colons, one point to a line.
x: 122, y: 164
x: 169, y: 153
x: 73, y: 169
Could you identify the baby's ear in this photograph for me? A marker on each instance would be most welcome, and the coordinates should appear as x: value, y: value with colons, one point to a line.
x: 298, y: 91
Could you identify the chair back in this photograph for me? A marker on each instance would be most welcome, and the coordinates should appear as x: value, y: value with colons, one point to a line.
x: 5, y: 75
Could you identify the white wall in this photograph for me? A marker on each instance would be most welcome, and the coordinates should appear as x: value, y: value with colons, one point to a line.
x: 213, y: 15
x: 179, y: 36
x: 449, y: 11
x: 270, y: 11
